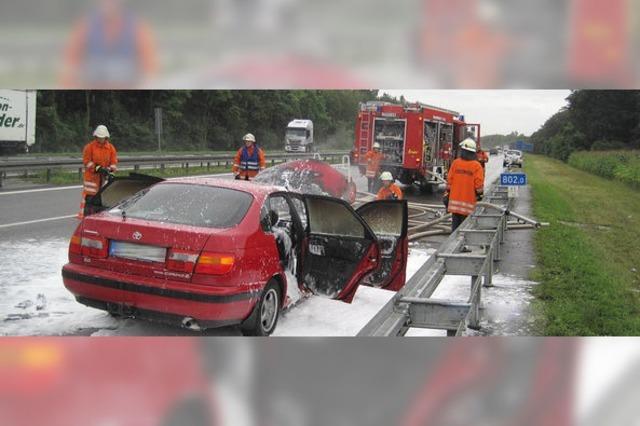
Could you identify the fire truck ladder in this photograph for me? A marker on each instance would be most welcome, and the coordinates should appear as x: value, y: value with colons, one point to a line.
x: 413, y: 307
x: 365, y: 127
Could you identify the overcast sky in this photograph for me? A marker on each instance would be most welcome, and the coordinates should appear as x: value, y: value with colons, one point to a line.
x: 498, y: 111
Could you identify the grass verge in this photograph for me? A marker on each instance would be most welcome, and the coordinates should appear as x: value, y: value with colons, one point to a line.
x: 588, y: 259
x: 623, y: 166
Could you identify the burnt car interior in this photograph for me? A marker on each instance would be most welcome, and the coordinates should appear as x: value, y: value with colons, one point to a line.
x: 338, y: 242
x: 388, y: 221
x: 287, y: 233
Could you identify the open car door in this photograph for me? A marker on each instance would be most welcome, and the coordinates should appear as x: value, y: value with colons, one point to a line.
x: 340, y: 248
x: 118, y: 189
x: 388, y: 219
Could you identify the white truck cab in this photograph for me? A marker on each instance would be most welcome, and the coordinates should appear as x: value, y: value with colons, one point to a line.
x: 299, y: 136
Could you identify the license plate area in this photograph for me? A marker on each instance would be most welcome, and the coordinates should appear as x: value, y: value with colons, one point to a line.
x: 139, y: 252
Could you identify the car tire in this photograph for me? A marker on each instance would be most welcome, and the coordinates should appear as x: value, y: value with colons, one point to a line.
x: 265, y: 314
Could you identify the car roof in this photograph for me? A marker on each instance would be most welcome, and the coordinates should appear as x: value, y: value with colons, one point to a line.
x: 257, y: 190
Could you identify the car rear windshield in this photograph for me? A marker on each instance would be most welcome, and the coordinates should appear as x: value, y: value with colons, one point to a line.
x: 187, y: 204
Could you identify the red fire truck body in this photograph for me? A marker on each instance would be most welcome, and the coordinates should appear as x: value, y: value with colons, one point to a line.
x: 418, y: 141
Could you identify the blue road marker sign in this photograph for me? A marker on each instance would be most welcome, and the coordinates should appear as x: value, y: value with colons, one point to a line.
x: 513, y: 179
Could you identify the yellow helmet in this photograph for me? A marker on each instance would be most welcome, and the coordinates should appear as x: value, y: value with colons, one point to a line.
x: 468, y: 145
x: 101, y: 132
x: 386, y: 176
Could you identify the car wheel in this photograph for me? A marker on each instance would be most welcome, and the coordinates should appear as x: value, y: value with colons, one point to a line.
x: 264, y: 318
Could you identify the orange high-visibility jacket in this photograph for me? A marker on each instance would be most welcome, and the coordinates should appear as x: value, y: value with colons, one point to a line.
x: 246, y: 167
x: 94, y: 155
x: 373, y: 163
x: 483, y: 157
x: 464, y: 181
x: 393, y: 192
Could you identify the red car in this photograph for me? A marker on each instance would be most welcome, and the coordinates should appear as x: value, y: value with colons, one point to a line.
x: 203, y: 252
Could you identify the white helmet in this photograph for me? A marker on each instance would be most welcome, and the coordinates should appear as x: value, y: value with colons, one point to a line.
x: 249, y: 137
x: 386, y: 176
x: 468, y: 145
x: 101, y: 132
x: 376, y: 145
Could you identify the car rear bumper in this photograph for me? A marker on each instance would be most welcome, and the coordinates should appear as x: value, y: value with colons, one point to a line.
x: 161, y: 299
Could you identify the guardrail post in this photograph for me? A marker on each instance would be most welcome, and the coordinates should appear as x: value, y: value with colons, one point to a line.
x: 488, y: 275
x: 208, y: 165
x: 136, y: 167
x: 186, y: 168
x: 474, y: 317
x: 162, y: 166
x: 48, y: 176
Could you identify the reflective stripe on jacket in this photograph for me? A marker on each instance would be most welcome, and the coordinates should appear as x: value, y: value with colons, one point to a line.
x: 373, y: 163
x: 249, y: 160
x: 464, y: 180
x: 95, y: 154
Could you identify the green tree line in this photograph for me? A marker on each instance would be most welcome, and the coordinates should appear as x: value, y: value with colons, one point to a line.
x: 594, y: 120
x: 193, y: 119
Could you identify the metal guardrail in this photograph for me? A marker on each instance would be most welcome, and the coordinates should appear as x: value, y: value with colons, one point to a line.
x: 25, y: 166
x: 413, y: 307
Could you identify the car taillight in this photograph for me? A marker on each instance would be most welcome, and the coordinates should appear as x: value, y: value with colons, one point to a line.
x: 214, y: 263
x: 75, y: 246
x: 94, y: 246
x: 181, y: 260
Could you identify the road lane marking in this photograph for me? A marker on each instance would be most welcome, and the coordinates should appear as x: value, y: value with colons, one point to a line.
x: 27, y: 191
x: 29, y: 222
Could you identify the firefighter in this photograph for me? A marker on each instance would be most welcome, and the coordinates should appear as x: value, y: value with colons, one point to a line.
x: 100, y: 159
x: 465, y: 184
x: 483, y: 158
x: 249, y: 159
x: 389, y: 190
x: 374, y: 158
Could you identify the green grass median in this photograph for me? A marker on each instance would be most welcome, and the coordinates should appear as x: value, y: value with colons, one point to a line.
x: 588, y: 259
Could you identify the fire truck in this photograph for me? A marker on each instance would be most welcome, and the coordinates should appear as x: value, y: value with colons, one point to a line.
x: 418, y: 141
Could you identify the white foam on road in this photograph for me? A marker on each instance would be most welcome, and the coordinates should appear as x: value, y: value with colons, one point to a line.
x: 33, y: 300
x: 318, y: 316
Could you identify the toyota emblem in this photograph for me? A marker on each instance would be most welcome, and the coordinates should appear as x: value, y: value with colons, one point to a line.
x: 137, y: 235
